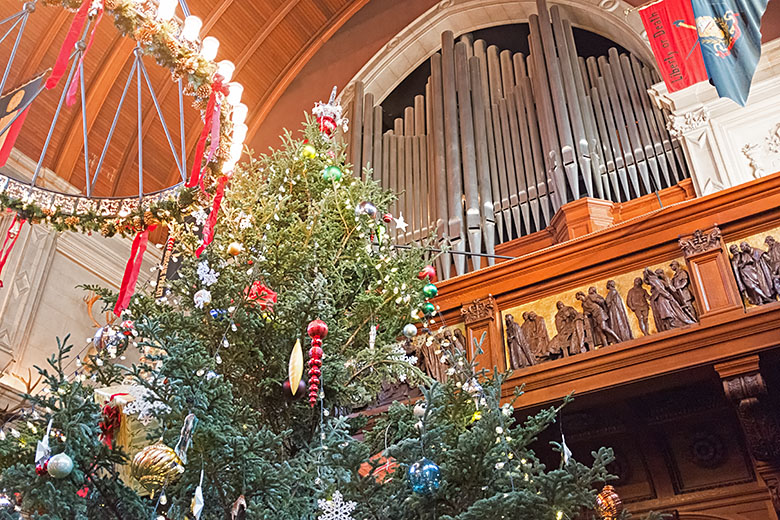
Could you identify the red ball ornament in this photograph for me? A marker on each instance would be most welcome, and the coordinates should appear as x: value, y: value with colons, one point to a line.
x: 428, y: 272
x: 327, y: 125
x: 42, y: 468
x: 387, y: 217
x: 314, y: 381
x: 315, y: 362
x: 287, y: 393
x: 317, y: 329
x: 315, y: 371
x: 316, y: 342
x: 315, y: 352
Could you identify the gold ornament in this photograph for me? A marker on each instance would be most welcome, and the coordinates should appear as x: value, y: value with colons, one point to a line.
x: 234, y: 249
x: 608, y: 503
x: 150, y: 219
x: 146, y: 32
x: 156, y: 465
x: 295, y: 368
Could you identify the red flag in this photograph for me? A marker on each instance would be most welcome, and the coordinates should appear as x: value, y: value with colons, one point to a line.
x: 11, y: 103
x: 671, y: 30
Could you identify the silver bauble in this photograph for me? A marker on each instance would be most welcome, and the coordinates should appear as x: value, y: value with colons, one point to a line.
x: 419, y: 409
x: 6, y: 504
x: 410, y: 330
x: 60, y: 465
x: 365, y: 208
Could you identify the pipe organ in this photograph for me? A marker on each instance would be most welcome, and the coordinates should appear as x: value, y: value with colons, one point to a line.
x: 500, y: 140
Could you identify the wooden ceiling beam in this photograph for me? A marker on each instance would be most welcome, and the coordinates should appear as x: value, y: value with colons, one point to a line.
x: 34, y: 61
x: 128, y: 155
x: 98, y: 90
x: 295, y: 65
x: 288, y: 73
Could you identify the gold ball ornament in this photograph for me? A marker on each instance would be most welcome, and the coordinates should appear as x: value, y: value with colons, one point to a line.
x: 608, y: 503
x: 235, y: 249
x: 156, y: 465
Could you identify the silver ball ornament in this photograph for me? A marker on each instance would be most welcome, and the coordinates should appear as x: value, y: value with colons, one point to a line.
x: 6, y: 504
x: 410, y: 330
x: 419, y: 409
x: 60, y: 465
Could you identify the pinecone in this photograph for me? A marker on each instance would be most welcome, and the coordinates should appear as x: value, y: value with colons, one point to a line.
x: 48, y: 212
x: 105, y: 229
x: 110, y: 5
x: 200, y: 104
x: 72, y: 221
x: 173, y: 47
x: 188, y: 89
x: 150, y: 218
x: 203, y: 91
x: 146, y: 32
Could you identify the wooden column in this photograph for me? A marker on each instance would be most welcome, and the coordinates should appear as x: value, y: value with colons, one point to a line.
x: 711, y: 275
x: 482, y: 316
x: 758, y: 414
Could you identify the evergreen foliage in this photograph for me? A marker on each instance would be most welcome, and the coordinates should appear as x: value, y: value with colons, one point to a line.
x: 225, y: 362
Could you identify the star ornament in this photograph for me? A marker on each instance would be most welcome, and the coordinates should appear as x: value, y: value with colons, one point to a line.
x: 336, y: 508
x: 400, y: 223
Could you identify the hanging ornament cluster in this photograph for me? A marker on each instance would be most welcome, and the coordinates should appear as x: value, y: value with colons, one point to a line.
x: 317, y: 331
x: 424, y: 477
x: 329, y: 115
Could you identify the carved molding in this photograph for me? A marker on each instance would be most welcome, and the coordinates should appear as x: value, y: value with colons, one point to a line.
x: 681, y: 124
x: 479, y: 310
x: 701, y: 242
x: 764, y: 157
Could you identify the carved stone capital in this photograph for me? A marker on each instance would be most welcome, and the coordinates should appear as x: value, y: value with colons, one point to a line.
x: 479, y: 310
x: 680, y: 124
x: 700, y: 242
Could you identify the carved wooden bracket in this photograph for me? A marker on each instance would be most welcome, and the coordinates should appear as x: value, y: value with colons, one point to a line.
x: 711, y: 276
x: 758, y: 415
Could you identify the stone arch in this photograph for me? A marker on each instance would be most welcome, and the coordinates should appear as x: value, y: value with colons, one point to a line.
x: 420, y: 39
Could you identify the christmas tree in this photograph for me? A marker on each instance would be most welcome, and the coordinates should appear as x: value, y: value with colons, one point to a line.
x: 236, y: 422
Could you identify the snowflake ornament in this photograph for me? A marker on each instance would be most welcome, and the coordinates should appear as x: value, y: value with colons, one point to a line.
x: 208, y: 276
x: 336, y: 508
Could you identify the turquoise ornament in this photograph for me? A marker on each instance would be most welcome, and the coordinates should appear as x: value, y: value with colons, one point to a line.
x: 424, y: 477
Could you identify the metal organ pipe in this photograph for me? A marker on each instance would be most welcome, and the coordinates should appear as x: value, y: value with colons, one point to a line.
x: 500, y: 140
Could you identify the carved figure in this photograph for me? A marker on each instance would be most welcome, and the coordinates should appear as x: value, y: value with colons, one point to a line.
x: 637, y: 300
x: 681, y: 283
x: 667, y: 312
x: 535, y: 330
x: 572, y: 337
x: 616, y: 311
x: 520, y: 355
x: 602, y: 332
x: 752, y: 272
x: 773, y: 250
x: 459, y: 340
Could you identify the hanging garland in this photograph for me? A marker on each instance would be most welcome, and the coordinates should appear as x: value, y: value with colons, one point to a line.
x: 128, y: 216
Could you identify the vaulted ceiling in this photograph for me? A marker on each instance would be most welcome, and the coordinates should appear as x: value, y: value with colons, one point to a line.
x: 268, y: 40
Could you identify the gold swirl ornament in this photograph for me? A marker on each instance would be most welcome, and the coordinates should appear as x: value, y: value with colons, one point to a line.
x: 155, y: 466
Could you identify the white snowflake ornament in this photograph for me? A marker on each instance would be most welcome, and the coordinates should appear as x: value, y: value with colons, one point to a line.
x: 336, y: 508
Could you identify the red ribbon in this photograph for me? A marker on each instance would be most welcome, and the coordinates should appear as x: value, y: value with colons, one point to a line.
x: 74, y: 33
x: 112, y: 420
x: 208, y: 228
x: 132, y: 269
x: 211, y: 125
x: 12, y: 234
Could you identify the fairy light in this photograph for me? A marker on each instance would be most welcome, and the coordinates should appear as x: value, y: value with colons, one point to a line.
x: 239, y: 133
x: 209, y: 47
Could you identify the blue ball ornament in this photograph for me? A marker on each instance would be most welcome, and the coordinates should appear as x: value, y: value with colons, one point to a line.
x: 424, y: 476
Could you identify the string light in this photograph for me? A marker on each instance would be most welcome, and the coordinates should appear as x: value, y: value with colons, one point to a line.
x: 209, y: 47
x: 191, y: 29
